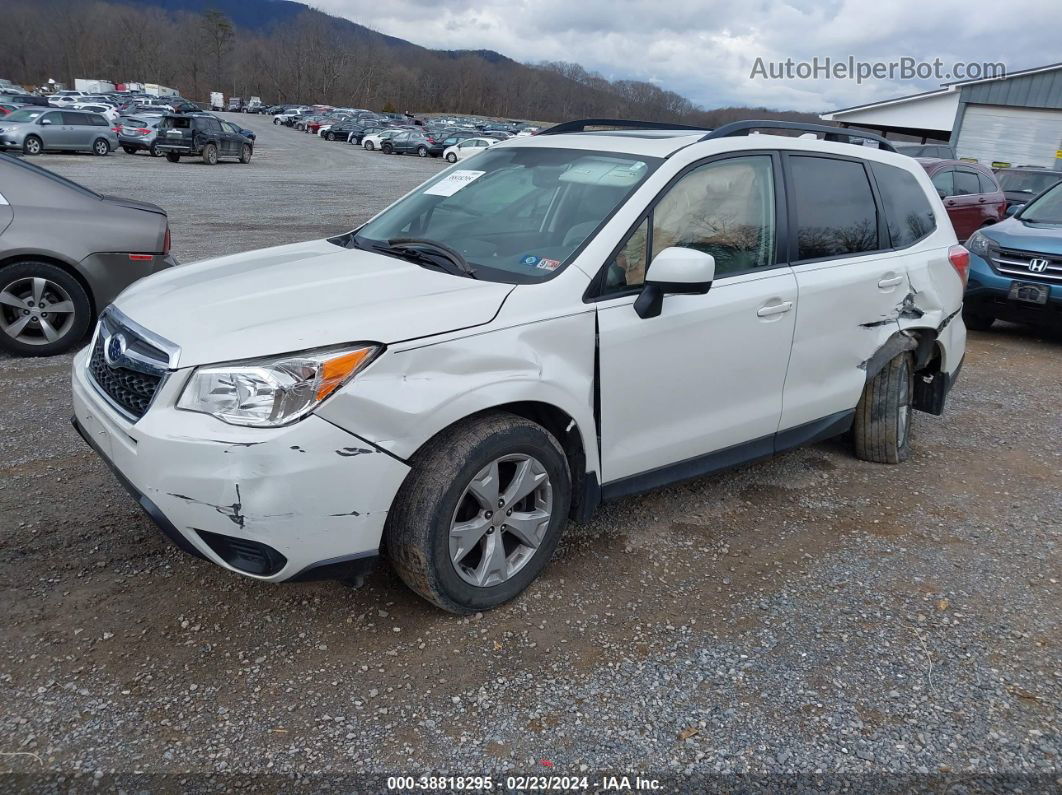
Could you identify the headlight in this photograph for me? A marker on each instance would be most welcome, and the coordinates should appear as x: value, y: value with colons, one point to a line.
x: 979, y: 244
x: 268, y: 393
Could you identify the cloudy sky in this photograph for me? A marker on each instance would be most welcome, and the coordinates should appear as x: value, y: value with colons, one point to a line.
x: 706, y: 49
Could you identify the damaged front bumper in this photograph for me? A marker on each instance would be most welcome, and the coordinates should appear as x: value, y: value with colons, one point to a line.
x: 306, y: 501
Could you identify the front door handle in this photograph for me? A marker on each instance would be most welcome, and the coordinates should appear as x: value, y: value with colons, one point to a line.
x: 774, y: 309
x: 890, y: 282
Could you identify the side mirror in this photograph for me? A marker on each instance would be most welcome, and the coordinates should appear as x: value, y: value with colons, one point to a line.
x: 674, y: 270
x: 1013, y: 208
x: 46, y: 121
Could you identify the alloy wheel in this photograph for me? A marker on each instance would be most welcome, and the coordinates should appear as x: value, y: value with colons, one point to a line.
x: 501, y: 520
x: 35, y: 310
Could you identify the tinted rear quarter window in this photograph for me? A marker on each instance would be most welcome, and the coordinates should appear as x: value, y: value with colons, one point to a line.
x: 908, y: 212
x: 78, y: 119
x: 834, y: 206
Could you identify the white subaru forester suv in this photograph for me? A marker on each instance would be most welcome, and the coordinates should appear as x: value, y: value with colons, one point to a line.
x: 571, y: 318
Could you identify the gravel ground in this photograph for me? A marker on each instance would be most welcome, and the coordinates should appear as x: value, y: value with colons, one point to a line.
x: 813, y: 613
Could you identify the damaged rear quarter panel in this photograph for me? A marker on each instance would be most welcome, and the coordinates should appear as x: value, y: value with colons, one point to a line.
x: 410, y: 394
x: 844, y: 317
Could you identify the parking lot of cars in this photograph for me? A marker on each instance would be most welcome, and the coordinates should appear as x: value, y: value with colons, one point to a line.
x: 811, y: 612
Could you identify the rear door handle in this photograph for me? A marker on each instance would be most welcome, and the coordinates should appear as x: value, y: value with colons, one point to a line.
x: 890, y: 282
x: 775, y: 309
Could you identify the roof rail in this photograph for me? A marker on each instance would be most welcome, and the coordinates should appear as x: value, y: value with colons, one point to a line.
x: 580, y: 125
x: 841, y: 134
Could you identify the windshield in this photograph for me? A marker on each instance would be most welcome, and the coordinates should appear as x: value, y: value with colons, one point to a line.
x: 1047, y: 209
x: 520, y: 214
x: 1026, y: 181
x: 25, y: 115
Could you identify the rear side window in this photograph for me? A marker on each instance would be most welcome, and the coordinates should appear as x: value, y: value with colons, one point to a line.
x: 79, y: 119
x: 834, y: 206
x: 988, y: 185
x: 96, y: 120
x: 966, y: 183
x: 908, y: 213
x: 944, y: 182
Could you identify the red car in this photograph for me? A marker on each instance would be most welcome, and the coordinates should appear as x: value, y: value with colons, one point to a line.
x: 970, y: 193
x: 6, y: 108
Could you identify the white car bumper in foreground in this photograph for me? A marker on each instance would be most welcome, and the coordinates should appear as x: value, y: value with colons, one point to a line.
x: 307, y: 501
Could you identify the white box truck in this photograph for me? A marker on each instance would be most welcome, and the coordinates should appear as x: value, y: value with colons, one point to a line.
x: 217, y: 100
x: 93, y: 86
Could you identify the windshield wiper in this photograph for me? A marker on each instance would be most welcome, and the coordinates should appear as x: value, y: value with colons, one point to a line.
x: 442, y: 257
x: 413, y: 244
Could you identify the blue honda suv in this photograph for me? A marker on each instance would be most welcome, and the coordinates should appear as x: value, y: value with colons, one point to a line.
x: 1016, y: 267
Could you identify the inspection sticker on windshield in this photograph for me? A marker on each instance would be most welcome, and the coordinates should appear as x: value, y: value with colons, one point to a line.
x: 548, y: 264
x: 453, y: 183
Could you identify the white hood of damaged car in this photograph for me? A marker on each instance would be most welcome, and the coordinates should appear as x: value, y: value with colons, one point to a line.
x: 305, y: 295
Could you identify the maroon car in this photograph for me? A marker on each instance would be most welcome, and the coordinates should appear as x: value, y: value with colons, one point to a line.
x: 970, y: 194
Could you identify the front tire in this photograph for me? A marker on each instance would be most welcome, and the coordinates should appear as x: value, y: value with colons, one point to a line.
x: 32, y: 145
x: 173, y: 157
x: 451, y: 158
x: 422, y: 151
x: 245, y: 154
x: 481, y: 513
x: 977, y: 321
x: 210, y: 155
x: 52, y: 314
x: 329, y: 136
x: 369, y: 146
x: 882, y: 427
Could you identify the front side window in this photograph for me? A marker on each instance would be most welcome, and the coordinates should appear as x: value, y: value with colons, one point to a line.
x: 944, y: 182
x: 835, y: 211
x: 517, y: 215
x: 907, y: 211
x: 724, y: 208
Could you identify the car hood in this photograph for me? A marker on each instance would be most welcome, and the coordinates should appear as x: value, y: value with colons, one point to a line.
x: 301, y: 296
x: 1017, y: 234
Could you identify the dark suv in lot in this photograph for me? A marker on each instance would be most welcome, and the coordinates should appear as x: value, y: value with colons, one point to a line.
x: 203, y: 136
x: 412, y: 142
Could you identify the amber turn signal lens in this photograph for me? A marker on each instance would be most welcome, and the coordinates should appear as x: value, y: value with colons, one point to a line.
x: 335, y: 371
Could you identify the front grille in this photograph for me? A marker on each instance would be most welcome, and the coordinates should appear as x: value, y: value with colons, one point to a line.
x: 130, y: 389
x: 1014, y: 262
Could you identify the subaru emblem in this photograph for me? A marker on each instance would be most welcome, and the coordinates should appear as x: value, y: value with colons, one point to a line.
x: 115, y: 349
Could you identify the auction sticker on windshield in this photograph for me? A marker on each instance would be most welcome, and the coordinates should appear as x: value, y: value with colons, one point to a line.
x: 453, y: 183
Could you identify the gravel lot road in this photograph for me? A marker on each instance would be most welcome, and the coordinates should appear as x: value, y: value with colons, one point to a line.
x: 811, y: 613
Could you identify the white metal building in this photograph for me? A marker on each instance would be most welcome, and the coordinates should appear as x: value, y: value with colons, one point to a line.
x: 1014, y: 120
